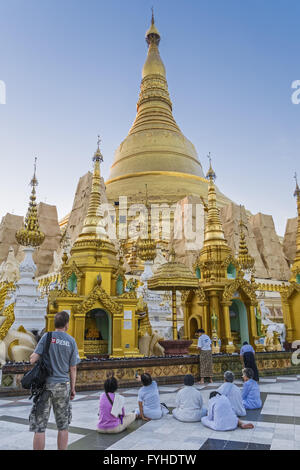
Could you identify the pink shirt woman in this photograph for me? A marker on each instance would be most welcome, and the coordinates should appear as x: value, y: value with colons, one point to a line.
x: 106, y: 419
x: 108, y: 423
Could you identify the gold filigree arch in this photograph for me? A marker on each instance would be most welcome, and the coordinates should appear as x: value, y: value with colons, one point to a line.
x: 67, y: 271
x: 230, y: 260
x: 98, y: 294
x: 187, y: 296
x: 239, y: 284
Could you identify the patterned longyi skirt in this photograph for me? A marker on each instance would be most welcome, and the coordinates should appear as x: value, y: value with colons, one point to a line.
x: 206, y: 367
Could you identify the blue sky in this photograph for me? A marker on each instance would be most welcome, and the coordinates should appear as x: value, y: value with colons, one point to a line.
x: 72, y: 69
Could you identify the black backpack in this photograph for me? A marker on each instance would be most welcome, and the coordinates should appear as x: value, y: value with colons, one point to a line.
x: 35, y: 378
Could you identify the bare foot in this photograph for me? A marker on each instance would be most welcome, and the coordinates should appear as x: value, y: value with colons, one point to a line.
x: 246, y: 425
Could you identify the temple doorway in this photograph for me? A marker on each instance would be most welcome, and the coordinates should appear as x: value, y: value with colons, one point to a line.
x: 239, y: 322
x: 97, y: 333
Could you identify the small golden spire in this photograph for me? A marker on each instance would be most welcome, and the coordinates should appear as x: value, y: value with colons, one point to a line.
x: 31, y: 235
x: 92, y: 224
x: 246, y: 261
x: 213, y: 234
x: 211, y: 175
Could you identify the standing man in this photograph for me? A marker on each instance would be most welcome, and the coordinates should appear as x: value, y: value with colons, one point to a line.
x: 205, y: 357
x: 60, y: 386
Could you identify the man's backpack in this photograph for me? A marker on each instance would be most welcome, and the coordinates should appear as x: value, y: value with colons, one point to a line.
x: 35, y: 378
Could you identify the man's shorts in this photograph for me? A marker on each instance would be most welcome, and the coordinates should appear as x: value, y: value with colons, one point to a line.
x: 57, y: 395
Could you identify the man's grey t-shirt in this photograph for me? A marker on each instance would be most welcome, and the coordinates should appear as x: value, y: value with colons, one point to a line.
x: 63, y: 353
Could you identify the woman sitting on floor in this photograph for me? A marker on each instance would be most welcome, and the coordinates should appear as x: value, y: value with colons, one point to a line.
x: 112, y: 418
x: 250, y: 391
x: 233, y: 393
x: 189, y: 402
x: 148, y: 399
x: 220, y: 416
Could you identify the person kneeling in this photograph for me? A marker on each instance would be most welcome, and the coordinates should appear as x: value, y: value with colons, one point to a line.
x: 112, y: 418
x: 220, y: 416
x: 189, y: 402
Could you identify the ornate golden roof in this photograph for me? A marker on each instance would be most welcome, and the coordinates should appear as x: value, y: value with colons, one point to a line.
x: 31, y: 235
x: 173, y: 275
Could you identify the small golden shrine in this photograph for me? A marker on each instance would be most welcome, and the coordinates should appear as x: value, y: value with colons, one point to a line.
x: 103, y: 317
x: 290, y: 297
x: 224, y: 303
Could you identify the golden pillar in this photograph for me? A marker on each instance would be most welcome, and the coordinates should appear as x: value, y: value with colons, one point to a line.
x: 79, y: 322
x: 174, y: 314
x: 253, y: 326
x: 287, y: 320
x: 117, y: 348
x: 213, y: 308
x: 204, y: 316
x: 227, y: 343
x: 50, y: 322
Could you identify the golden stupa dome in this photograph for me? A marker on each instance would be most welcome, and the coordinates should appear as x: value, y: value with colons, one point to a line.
x: 155, y: 152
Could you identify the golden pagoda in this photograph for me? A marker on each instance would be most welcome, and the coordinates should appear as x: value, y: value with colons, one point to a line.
x: 102, y: 315
x: 224, y: 302
x: 156, y: 152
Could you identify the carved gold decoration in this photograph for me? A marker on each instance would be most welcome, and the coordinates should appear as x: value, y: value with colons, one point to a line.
x: 246, y: 261
x: 95, y: 347
x: 66, y: 273
x: 242, y: 284
x: 8, y: 322
x: 31, y: 235
x: 98, y: 294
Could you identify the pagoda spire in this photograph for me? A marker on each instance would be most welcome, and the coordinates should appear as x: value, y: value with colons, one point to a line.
x: 154, y: 99
x: 296, y: 263
x: 213, y: 234
x: 92, y: 223
x: 31, y: 235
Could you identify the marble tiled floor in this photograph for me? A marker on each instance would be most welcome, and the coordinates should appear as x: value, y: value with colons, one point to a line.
x: 276, y: 425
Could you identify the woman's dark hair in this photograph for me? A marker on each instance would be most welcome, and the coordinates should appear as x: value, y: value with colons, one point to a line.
x: 214, y: 394
x: 146, y: 379
x: 245, y: 342
x: 110, y: 385
x: 189, y: 380
x: 248, y: 373
x: 61, y: 319
x: 200, y: 330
